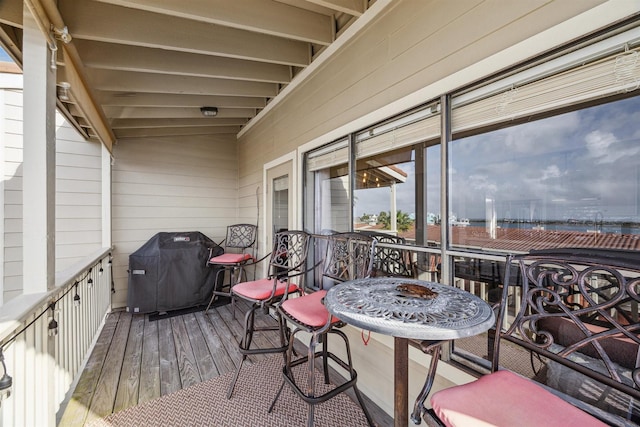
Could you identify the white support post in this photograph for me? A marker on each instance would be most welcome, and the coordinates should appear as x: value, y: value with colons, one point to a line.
x: 38, y: 194
x: 394, y: 209
x: 39, y: 164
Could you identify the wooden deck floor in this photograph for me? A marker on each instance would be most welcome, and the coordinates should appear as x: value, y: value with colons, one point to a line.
x: 136, y: 360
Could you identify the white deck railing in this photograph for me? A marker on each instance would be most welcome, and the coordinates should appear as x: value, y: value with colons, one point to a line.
x: 44, y: 365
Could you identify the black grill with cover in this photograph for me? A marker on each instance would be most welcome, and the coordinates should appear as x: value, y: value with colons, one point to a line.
x: 169, y: 272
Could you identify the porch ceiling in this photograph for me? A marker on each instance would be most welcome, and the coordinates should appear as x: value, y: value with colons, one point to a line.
x: 144, y: 68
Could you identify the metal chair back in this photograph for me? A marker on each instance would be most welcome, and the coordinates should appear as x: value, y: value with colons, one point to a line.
x: 241, y: 237
x: 289, y: 254
x: 349, y: 256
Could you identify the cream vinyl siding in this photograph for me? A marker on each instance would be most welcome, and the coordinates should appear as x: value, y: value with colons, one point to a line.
x: 12, y: 171
x: 78, y: 195
x: 170, y: 184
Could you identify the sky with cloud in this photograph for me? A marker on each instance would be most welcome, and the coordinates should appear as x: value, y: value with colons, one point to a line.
x: 571, y: 166
x: 4, y: 56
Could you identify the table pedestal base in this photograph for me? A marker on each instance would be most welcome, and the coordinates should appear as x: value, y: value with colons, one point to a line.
x: 401, y: 379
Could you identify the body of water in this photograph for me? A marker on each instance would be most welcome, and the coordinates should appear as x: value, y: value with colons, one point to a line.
x: 605, y: 228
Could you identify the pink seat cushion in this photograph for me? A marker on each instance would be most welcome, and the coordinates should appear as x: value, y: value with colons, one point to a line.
x: 230, y: 259
x: 261, y: 289
x: 309, y: 309
x: 506, y: 399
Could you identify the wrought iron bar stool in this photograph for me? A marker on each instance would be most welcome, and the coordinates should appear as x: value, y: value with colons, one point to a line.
x: 239, y: 249
x: 348, y: 256
x: 287, y: 263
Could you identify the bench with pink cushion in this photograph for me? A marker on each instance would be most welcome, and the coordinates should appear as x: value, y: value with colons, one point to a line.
x: 579, y: 314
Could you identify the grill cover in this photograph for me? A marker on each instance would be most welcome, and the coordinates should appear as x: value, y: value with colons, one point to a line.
x: 169, y: 272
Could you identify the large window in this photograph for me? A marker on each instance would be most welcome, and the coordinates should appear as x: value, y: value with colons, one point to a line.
x: 571, y: 180
x: 541, y: 157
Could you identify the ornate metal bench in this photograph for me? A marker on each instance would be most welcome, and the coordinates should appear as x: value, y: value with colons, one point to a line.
x: 578, y: 313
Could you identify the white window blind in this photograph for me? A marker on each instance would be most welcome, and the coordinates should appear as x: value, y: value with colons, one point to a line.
x: 613, y: 74
x: 332, y: 155
x: 281, y: 183
x: 401, y: 132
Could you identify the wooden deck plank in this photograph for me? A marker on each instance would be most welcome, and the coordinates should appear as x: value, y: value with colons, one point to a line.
x: 76, y: 409
x: 201, y: 352
x: 228, y: 338
x: 219, y: 354
x: 187, y: 364
x: 128, y: 386
x: 102, y: 403
x: 265, y: 320
x: 150, y: 372
x: 237, y: 327
x: 169, y: 374
x: 213, y: 340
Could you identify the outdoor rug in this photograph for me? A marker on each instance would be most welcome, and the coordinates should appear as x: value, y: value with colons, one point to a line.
x: 205, y: 404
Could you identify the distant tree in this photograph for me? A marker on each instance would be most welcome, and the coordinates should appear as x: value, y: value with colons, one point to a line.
x: 384, y: 218
x: 403, y: 220
x: 365, y: 217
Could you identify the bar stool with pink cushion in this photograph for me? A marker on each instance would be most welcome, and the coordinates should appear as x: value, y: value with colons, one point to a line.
x: 349, y: 256
x: 239, y: 249
x: 287, y: 263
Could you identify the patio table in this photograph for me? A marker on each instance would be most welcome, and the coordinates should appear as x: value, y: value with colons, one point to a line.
x: 391, y: 306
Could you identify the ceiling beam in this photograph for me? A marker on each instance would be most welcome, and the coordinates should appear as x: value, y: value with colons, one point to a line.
x: 350, y: 7
x: 266, y: 17
x: 103, y: 22
x: 11, y: 12
x: 349, y: 34
x: 175, y: 123
x: 178, y: 113
x: 128, y: 81
x: 142, y: 59
x: 64, y: 110
x: 130, y: 99
x: 180, y: 131
x: 11, y: 42
x: 86, y: 104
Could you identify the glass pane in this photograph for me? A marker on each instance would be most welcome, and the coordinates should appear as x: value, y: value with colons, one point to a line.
x: 280, y: 203
x: 432, y: 216
x: 384, y: 197
x: 571, y: 180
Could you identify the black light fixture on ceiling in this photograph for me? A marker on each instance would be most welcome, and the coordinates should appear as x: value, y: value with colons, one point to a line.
x: 209, y: 111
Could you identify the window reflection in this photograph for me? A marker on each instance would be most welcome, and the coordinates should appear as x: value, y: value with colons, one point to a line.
x: 384, y: 196
x: 568, y: 180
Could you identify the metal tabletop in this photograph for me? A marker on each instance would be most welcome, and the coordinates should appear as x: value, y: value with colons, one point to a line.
x: 375, y: 304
